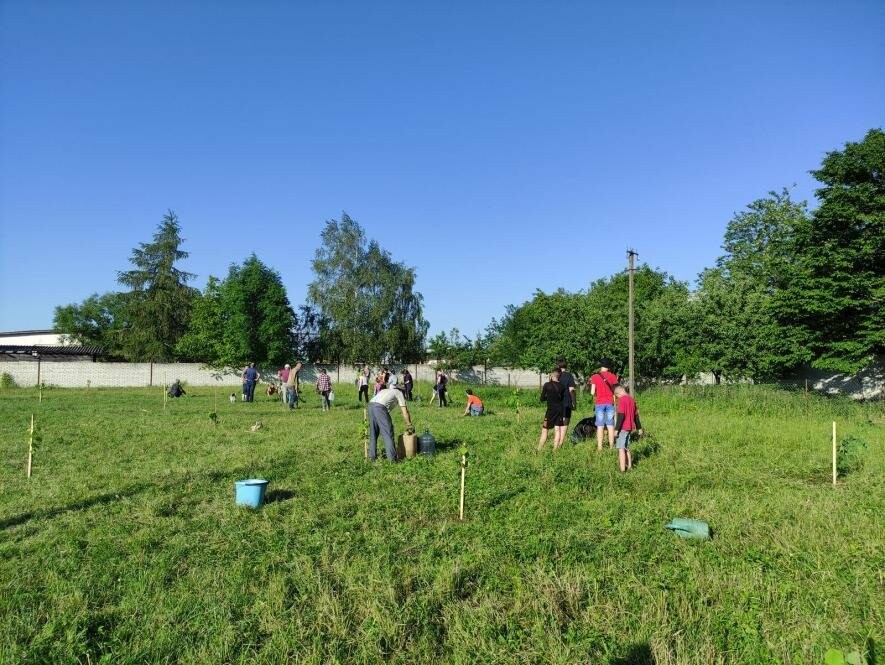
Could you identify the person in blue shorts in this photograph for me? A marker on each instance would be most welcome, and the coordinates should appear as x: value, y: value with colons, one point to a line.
x: 601, y: 387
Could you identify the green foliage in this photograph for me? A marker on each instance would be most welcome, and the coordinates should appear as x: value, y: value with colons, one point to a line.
x: 733, y: 329
x: 850, y: 455
x: 204, y: 339
x: 587, y: 326
x: 514, y: 398
x: 100, y: 320
x: 6, y: 381
x: 260, y: 319
x: 158, y: 306
x: 366, y: 300
x: 245, y: 318
x: 837, y: 657
x: 453, y: 350
x: 835, y: 290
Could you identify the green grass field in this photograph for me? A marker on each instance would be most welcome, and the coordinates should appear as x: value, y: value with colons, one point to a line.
x: 125, y: 546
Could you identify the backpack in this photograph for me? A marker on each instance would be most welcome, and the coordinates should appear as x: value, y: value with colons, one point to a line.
x: 585, y: 429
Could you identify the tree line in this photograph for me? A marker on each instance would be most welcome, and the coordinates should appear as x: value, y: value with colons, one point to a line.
x: 793, y: 287
x: 361, y: 307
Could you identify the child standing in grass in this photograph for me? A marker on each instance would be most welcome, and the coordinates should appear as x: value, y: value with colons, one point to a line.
x: 628, y: 420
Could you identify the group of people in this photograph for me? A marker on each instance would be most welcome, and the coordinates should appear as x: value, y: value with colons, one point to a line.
x: 619, y: 420
x: 384, y: 379
x: 615, y: 409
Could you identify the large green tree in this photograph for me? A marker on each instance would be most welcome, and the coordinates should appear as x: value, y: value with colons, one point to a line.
x: 835, y: 294
x: 100, y: 320
x: 204, y: 340
x: 367, y: 301
x: 159, y: 301
x: 587, y: 326
x: 732, y: 326
x: 245, y: 318
x: 453, y: 350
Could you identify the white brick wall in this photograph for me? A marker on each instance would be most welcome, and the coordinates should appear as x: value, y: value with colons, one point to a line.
x: 868, y: 384
x: 80, y: 374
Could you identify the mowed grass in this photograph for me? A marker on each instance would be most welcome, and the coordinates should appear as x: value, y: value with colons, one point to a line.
x: 126, y: 546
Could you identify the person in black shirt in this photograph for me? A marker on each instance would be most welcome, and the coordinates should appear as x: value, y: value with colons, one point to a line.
x: 408, y: 382
x: 569, y: 401
x: 552, y: 393
x: 443, y: 393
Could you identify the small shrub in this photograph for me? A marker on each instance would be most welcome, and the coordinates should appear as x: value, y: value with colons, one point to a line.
x: 6, y: 381
x: 850, y: 455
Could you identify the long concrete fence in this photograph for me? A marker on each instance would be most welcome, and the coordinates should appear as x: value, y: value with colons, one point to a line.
x: 83, y: 374
x: 867, y: 384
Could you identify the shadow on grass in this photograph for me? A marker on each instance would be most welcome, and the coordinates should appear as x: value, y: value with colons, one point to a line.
x: 638, y: 654
x: 83, y: 504
x: 277, y: 496
x: 446, y: 444
x: 644, y: 448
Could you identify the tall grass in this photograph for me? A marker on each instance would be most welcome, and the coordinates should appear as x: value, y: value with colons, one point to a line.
x: 125, y: 546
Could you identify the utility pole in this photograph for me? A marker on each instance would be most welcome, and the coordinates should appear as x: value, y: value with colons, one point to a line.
x: 631, y: 254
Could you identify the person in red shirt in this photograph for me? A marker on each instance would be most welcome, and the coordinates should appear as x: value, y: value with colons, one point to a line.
x: 474, y: 404
x: 628, y: 420
x: 601, y: 385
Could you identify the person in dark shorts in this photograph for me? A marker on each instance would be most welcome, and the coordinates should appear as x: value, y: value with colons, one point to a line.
x: 569, y: 401
x: 552, y: 394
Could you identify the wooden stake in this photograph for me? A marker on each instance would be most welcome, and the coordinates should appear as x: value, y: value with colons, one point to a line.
x: 165, y: 397
x: 463, y: 471
x: 30, y: 445
x: 834, y: 453
x: 41, y: 394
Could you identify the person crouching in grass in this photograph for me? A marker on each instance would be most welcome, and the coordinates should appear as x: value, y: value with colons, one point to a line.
x: 627, y: 421
x: 474, y: 404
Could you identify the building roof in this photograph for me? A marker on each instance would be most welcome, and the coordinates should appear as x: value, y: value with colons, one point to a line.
x: 36, y: 350
x: 17, y: 333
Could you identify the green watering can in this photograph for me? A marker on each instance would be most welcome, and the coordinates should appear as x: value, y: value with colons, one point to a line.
x: 688, y: 528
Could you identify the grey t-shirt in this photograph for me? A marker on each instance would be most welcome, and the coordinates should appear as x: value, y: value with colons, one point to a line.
x: 389, y: 397
x: 567, y: 381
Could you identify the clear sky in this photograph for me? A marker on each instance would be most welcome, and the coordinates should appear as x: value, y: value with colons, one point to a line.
x: 497, y: 147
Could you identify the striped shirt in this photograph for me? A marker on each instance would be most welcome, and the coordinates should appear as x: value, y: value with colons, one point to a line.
x: 324, y: 383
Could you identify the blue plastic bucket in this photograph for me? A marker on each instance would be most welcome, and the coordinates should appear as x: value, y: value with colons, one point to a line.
x: 251, y: 492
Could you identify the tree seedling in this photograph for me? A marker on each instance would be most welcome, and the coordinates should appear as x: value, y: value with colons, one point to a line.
x: 463, y: 451
x: 363, y: 433
x: 33, y: 437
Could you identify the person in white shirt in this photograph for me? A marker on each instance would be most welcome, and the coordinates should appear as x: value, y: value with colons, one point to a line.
x: 362, y: 382
x: 380, y: 421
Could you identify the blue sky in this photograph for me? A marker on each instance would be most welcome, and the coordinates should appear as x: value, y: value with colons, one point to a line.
x: 498, y: 147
